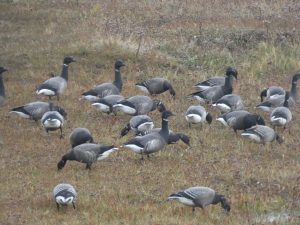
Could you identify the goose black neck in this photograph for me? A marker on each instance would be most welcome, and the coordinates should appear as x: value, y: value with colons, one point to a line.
x: 228, y: 81
x: 64, y: 72
x: 118, y: 79
x: 217, y: 199
x: 165, y: 128
x: 2, y: 90
x: 293, y: 92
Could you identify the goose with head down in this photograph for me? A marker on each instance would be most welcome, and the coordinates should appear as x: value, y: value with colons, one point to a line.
x: 261, y: 134
x: 64, y: 194
x: 197, y: 114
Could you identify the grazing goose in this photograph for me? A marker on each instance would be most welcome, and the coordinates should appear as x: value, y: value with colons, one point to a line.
x: 214, y: 81
x: 261, y: 134
x: 240, y: 120
x: 281, y: 115
x: 213, y: 94
x: 56, y: 85
x: 35, y: 110
x: 52, y: 120
x: 105, y: 89
x: 200, y: 197
x: 80, y: 136
x: 156, y: 86
x: 64, y: 194
x: 106, y: 103
x: 2, y: 89
x: 229, y: 103
x: 197, y: 114
x: 173, y: 137
x: 271, y: 92
x: 278, y: 100
x: 87, y: 153
x: 137, y: 105
x: 138, y: 124
x: 153, y: 142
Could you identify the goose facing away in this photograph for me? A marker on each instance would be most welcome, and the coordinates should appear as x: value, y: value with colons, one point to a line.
x: 64, y: 194
x: 52, y: 120
x: 2, y: 89
x: 153, y: 142
x: 240, y: 120
x: 156, y: 86
x: 281, y: 115
x: 200, y: 197
x: 105, y: 89
x: 229, y: 103
x: 106, y: 103
x: 35, y: 110
x: 137, y: 105
x: 261, y: 134
x: 56, y: 85
x: 214, y: 81
x: 139, y: 123
x: 278, y: 100
x: 197, y: 114
x: 213, y: 94
x: 79, y: 136
x: 87, y: 153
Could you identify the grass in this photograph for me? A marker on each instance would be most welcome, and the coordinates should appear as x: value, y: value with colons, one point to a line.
x: 184, y: 41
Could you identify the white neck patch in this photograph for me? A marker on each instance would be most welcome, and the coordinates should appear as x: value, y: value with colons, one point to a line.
x: 117, y: 70
x: 165, y: 119
x: 65, y: 64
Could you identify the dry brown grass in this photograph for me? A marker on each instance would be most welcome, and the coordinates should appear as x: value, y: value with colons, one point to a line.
x: 184, y: 41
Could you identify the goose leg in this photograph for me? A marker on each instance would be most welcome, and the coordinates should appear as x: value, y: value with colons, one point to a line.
x: 73, y: 205
x: 88, y: 166
x: 57, y: 206
x: 61, y: 135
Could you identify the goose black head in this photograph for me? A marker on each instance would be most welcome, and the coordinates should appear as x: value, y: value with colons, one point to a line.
x: 61, y: 164
x: 209, y: 118
x: 231, y: 71
x: 263, y: 94
x: 166, y: 114
x: 2, y: 69
x: 61, y: 111
x: 68, y: 60
x: 296, y: 77
x: 260, y: 120
x: 119, y: 63
x: 225, y: 204
x: 160, y: 106
x: 279, y: 139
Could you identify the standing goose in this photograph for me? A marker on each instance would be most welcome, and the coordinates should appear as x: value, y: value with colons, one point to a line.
x: 156, y: 86
x: 80, y: 136
x: 240, y: 120
x: 229, y: 103
x: 106, y: 103
x: 271, y: 92
x: 138, y: 124
x: 64, y: 194
x: 214, y: 81
x: 52, y: 120
x: 87, y: 153
x: 102, y: 90
x: 197, y: 114
x: 281, y: 115
x: 2, y: 89
x: 137, y: 105
x: 200, y: 197
x: 153, y: 142
x: 56, y: 85
x: 213, y: 94
x: 35, y: 110
x: 262, y: 134
x: 173, y: 137
x: 278, y: 100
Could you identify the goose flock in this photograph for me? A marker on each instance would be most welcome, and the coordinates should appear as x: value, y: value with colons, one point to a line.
x: 107, y: 98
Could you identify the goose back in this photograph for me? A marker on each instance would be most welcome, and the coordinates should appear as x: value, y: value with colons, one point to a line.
x: 156, y: 86
x: 79, y: 136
